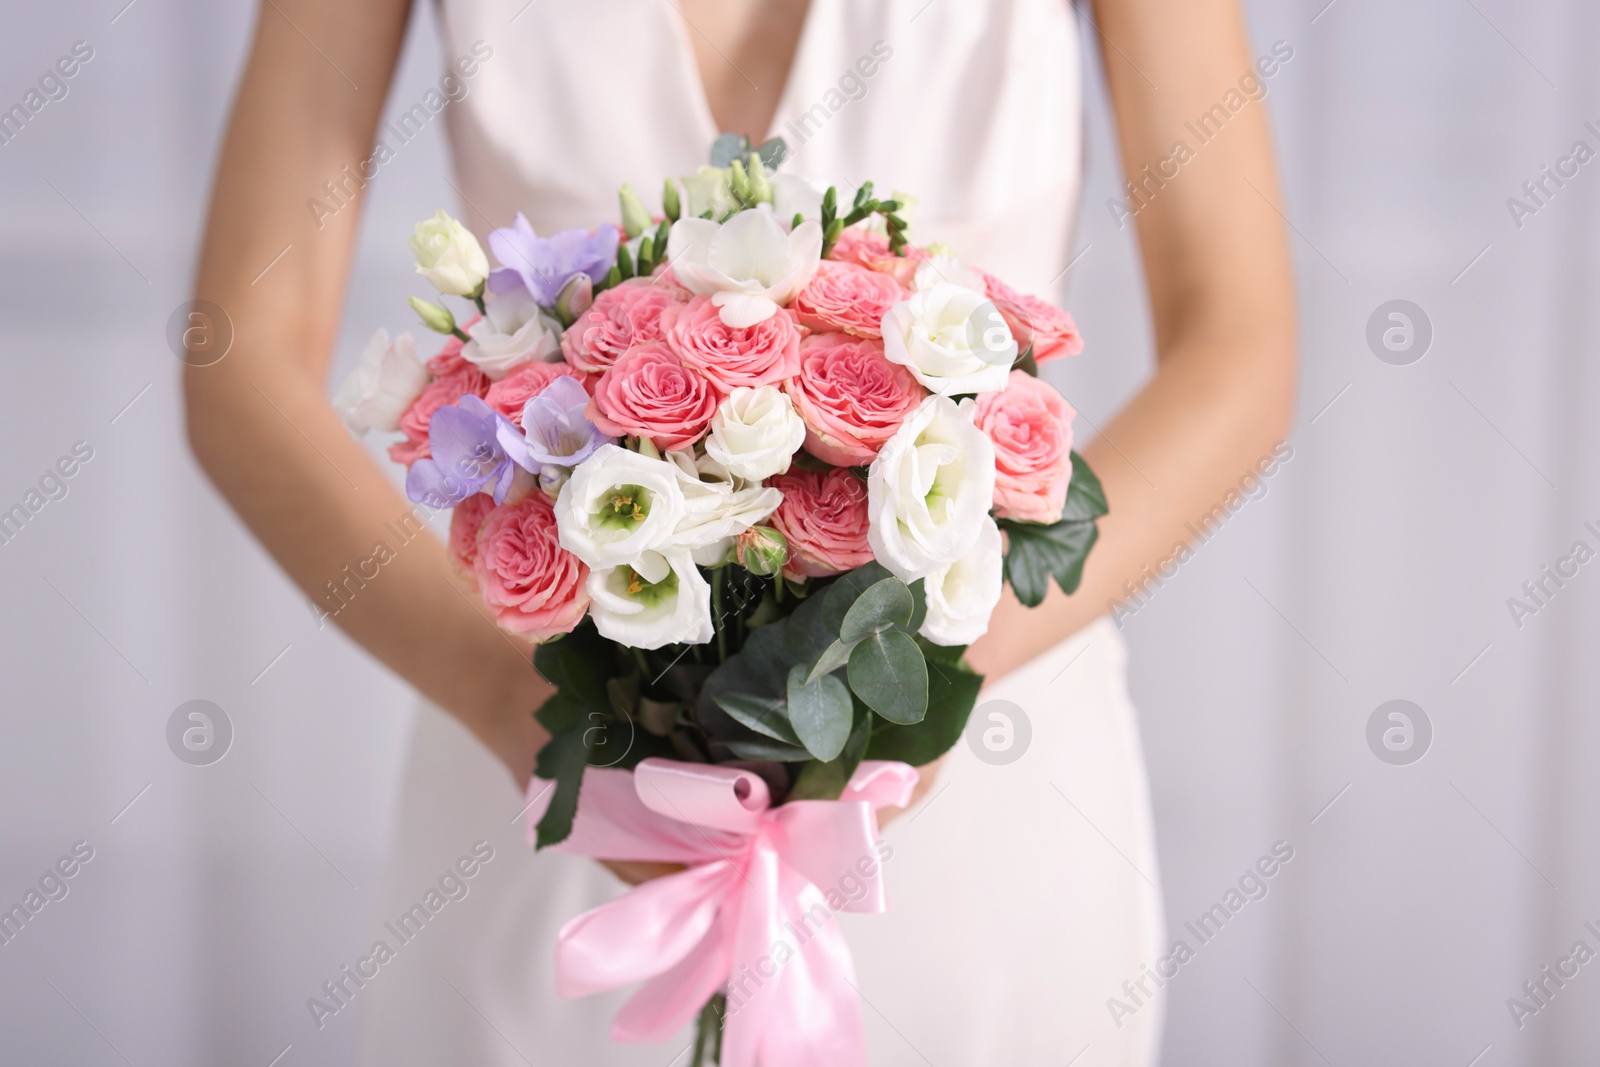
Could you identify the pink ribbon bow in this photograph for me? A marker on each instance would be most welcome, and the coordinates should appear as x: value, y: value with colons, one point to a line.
x: 753, y: 911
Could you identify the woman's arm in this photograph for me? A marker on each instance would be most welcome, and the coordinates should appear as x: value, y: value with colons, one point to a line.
x: 1216, y: 263
x: 259, y: 420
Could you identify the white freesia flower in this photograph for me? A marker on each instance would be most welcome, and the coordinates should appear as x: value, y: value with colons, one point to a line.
x: 929, y: 490
x: 946, y: 268
x: 962, y: 595
x: 755, y: 432
x: 793, y: 195
x: 717, y: 506
x: 449, y: 256
x: 660, y: 599
x: 953, y: 339
x: 747, y: 265
x: 384, y: 383
x: 513, y: 331
x: 617, y: 506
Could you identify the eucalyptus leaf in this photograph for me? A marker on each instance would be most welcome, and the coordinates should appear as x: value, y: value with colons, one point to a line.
x: 952, y: 693
x: 727, y: 148
x: 763, y: 714
x: 884, y: 604
x: 833, y: 657
x: 845, y: 589
x: 820, y: 713
x: 768, y: 750
x: 888, y: 673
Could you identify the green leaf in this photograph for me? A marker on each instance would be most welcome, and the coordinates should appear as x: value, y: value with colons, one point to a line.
x: 888, y: 673
x: 820, y: 712
x: 763, y: 714
x: 884, y: 604
x: 1086, y: 497
x: 833, y: 657
x: 919, y: 606
x: 1036, y: 553
x: 825, y: 781
x: 808, y: 630
x: 846, y: 588
x: 942, y: 655
x: 952, y: 693
x: 562, y: 760
x: 577, y: 663
x: 768, y: 750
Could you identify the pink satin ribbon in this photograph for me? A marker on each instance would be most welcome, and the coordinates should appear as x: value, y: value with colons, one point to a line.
x: 753, y: 912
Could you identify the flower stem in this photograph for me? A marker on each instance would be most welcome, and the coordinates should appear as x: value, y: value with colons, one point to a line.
x: 716, y: 613
x: 708, y: 1033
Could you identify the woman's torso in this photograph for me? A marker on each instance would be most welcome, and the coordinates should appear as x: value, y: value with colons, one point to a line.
x: 971, y: 106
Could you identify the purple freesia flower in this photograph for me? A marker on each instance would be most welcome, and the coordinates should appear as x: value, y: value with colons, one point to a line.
x: 543, y: 265
x: 473, y: 447
x: 557, y: 431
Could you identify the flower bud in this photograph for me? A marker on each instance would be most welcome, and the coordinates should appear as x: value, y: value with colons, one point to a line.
x: 635, y: 219
x: 669, y: 200
x: 739, y: 180
x: 574, y: 298
x: 448, y: 255
x: 761, y: 550
x: 433, y: 316
x: 552, y: 478
x: 760, y: 184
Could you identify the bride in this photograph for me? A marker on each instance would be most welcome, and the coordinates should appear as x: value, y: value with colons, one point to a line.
x: 1025, y: 917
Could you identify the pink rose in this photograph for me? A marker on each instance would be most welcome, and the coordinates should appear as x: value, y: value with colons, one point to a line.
x: 824, y: 518
x: 870, y: 249
x: 464, y: 523
x: 509, y: 394
x: 621, y: 317
x: 1050, y: 329
x: 844, y: 296
x: 851, y: 397
x: 534, y: 586
x: 454, y: 378
x: 763, y: 354
x: 650, y: 392
x: 1031, y: 427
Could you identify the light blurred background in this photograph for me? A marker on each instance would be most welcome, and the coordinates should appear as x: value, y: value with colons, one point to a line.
x: 1377, y: 566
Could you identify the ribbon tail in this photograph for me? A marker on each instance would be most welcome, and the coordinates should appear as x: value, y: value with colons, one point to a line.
x: 815, y: 1014
x: 639, y: 935
x: 671, y: 999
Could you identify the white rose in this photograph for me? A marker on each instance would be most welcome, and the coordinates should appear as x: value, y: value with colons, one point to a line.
x: 660, y: 599
x: 449, y: 256
x: 747, y: 265
x: 755, y: 433
x: 617, y: 506
x: 513, y: 331
x: 952, y: 338
x: 962, y: 595
x: 385, y: 382
x: 930, y: 489
x: 946, y: 268
x: 717, y: 508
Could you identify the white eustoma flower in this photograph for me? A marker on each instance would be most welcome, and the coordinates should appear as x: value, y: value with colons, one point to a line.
x: 617, y: 506
x: 952, y: 338
x: 747, y: 265
x: 962, y: 595
x: 385, y: 382
x: 513, y: 331
x: 929, y: 490
x: 660, y: 599
x: 946, y: 268
x: 755, y: 432
x: 717, y: 506
x: 449, y: 256
x: 708, y: 189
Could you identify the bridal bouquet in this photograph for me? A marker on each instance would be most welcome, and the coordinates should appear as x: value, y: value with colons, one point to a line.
x: 751, y: 473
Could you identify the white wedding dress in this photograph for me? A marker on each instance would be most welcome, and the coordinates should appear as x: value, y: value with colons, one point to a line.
x: 1021, y: 896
